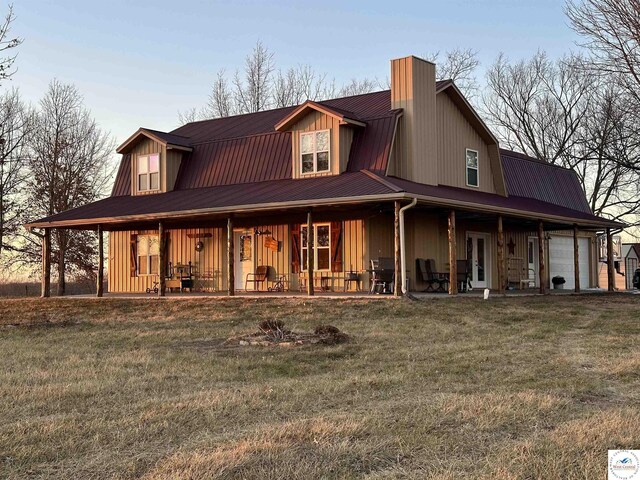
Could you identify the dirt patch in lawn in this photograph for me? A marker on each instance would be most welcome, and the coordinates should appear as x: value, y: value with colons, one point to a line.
x: 274, y: 333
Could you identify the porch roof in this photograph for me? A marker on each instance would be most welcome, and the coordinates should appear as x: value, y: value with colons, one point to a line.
x: 347, y: 188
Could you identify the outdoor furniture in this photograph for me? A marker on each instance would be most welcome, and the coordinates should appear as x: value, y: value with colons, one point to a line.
x: 436, y: 281
x: 280, y: 284
x: 204, y: 282
x: 382, y: 275
x: 180, y: 276
x: 351, y: 277
x: 325, y: 281
x: 257, y: 278
x: 463, y: 271
x: 518, y: 274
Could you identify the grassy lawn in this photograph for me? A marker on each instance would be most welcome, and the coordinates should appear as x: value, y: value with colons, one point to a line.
x: 518, y: 388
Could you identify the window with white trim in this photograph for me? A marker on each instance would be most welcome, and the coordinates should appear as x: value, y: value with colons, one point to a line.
x: 149, y: 172
x: 314, y: 152
x: 322, y: 247
x: 472, y: 168
x: 148, y: 249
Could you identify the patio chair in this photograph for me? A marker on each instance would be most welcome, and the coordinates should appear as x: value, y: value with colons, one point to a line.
x: 436, y: 281
x: 382, y: 275
x: 463, y: 269
x: 257, y: 278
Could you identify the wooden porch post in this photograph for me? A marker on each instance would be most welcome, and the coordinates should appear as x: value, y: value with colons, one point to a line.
x: 501, y: 282
x: 576, y: 259
x: 46, y: 264
x: 100, y: 276
x: 611, y: 273
x: 162, y: 288
x: 453, y: 266
x: 310, y: 253
x: 541, y: 269
x: 231, y: 274
x: 397, y: 288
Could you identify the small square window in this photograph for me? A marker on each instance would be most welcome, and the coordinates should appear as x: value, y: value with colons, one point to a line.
x: 315, y: 153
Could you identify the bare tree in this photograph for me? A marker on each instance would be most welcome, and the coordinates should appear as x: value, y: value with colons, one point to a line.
x: 260, y: 87
x: 221, y: 101
x: 15, y: 125
x: 358, y: 87
x: 611, y: 29
x: 607, y: 155
x: 537, y: 105
x: 459, y: 65
x: 559, y: 112
x: 253, y: 90
x: 7, y: 44
x: 297, y: 85
x: 69, y: 165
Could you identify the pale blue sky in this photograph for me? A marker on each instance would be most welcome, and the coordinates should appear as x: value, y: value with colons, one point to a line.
x: 137, y: 63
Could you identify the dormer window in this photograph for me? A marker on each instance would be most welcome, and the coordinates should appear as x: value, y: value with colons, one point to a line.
x: 149, y: 172
x: 314, y: 152
x: 472, y: 168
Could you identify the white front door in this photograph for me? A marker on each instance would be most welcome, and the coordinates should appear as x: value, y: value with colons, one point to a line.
x: 243, y: 245
x: 532, y: 261
x: 479, y: 252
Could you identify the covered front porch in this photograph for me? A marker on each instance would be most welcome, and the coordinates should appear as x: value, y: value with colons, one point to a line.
x: 331, y: 250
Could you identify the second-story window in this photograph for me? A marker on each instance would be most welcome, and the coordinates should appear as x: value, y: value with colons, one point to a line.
x: 472, y: 168
x: 148, y: 172
x: 314, y: 152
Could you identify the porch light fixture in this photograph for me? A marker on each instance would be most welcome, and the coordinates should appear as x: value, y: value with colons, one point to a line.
x: 199, y: 246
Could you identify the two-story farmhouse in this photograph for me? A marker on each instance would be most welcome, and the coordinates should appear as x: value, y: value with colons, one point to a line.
x: 310, y: 195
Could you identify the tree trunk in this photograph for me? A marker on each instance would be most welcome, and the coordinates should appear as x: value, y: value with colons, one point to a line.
x: 453, y: 255
x: 576, y: 259
x: 310, y: 253
x: 46, y: 264
x: 100, y: 275
x: 162, y: 261
x: 611, y: 272
x: 501, y: 281
x: 62, y: 284
x: 397, y: 289
x: 231, y: 273
x: 541, y: 268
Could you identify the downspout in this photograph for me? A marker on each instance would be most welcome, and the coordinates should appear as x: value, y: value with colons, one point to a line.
x: 403, y: 259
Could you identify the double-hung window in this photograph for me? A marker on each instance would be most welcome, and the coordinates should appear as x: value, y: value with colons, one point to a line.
x: 314, y: 152
x: 149, y: 172
x: 148, y: 254
x: 322, y: 250
x: 472, y: 168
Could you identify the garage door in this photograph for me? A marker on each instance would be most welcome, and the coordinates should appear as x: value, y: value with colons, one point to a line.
x: 561, y: 260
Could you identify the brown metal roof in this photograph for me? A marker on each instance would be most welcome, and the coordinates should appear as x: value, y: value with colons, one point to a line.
x: 371, y: 146
x: 237, y: 160
x: 304, y: 191
x: 475, y: 198
x: 277, y: 194
x: 536, y: 179
x: 122, y: 183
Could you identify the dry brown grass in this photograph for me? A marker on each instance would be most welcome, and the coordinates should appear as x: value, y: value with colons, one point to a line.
x: 458, y: 388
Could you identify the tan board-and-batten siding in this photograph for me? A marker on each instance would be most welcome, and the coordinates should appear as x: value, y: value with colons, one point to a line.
x: 212, y: 260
